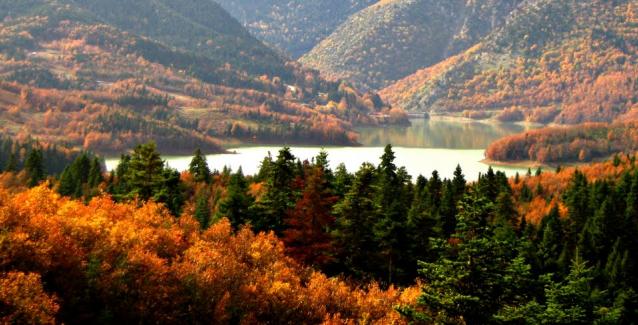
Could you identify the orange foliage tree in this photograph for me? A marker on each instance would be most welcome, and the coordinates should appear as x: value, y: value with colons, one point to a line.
x: 129, y: 263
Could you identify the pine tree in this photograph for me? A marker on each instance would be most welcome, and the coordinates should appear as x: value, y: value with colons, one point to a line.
x: 237, y: 203
x: 355, y: 218
x: 199, y: 167
x: 391, y: 226
x: 569, y: 302
x: 279, y: 196
x: 34, y: 166
x: 476, y: 274
x: 95, y: 177
x: 342, y: 180
x: 12, y: 163
x: 202, y: 210
x: 68, y: 183
x: 145, y: 171
x: 307, y: 238
x: 551, y: 241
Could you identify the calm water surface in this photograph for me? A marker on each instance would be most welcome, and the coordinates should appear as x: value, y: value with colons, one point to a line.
x: 425, y: 146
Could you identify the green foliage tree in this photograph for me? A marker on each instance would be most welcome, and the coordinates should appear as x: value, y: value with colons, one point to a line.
x: 202, y: 210
x: 355, y: 218
x: 475, y: 273
x: 236, y: 206
x: 572, y: 301
x: 280, y: 196
x: 390, y: 228
x: 145, y: 171
x: 12, y: 163
x: 143, y: 175
x: 199, y: 167
x: 34, y: 166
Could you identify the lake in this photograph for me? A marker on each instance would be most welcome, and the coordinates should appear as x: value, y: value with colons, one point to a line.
x: 427, y: 145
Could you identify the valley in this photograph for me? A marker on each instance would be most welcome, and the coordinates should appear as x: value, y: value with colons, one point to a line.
x: 318, y: 162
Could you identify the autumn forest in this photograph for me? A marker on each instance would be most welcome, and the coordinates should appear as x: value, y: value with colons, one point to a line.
x: 116, y: 208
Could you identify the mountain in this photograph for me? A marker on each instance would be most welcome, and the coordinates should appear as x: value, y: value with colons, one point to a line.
x: 552, y: 61
x: 392, y: 39
x: 294, y: 26
x: 106, y: 75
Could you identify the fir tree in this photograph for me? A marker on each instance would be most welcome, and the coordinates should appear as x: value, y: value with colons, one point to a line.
x: 199, y: 167
x: 279, y: 196
x: 144, y: 173
x: 202, y: 210
x: 12, y: 163
x: 551, y: 241
x: 34, y: 166
x: 95, y: 177
x: 355, y: 218
x: 237, y: 203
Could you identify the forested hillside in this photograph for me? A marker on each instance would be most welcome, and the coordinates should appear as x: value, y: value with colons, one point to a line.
x: 294, y: 26
x: 580, y: 143
x: 95, y: 75
x: 544, y: 248
x: 392, y: 39
x: 552, y: 61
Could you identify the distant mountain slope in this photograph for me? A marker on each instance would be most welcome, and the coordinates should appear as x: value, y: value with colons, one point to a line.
x: 394, y: 38
x: 294, y: 26
x: 553, y: 61
x: 73, y: 71
x: 202, y: 26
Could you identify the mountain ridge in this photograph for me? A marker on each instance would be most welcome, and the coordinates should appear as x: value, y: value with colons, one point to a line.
x: 391, y: 39
x: 553, y: 61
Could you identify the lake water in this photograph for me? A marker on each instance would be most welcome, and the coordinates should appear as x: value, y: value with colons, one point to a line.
x: 425, y: 146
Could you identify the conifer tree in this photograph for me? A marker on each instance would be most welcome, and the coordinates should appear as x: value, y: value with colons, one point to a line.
x: 237, y: 203
x: 551, y: 241
x: 202, y: 210
x: 355, y: 218
x: 474, y: 276
x: 279, y: 196
x: 34, y: 166
x: 12, y: 163
x: 145, y: 171
x: 342, y: 180
x: 95, y: 173
x: 391, y: 226
x: 199, y: 167
x: 306, y: 236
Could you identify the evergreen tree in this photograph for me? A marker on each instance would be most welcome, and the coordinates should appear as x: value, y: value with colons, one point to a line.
x: 342, y: 180
x: 237, y: 203
x: 475, y: 275
x: 170, y: 191
x: 279, y: 196
x: 390, y: 228
x: 322, y: 162
x: 199, y: 167
x: 570, y: 302
x: 95, y: 177
x: 551, y: 241
x: 34, y: 166
x: 202, y: 210
x: 145, y: 171
x: 448, y: 210
x: 355, y: 218
x: 68, y: 182
x: 505, y: 210
x: 526, y: 193
x: 12, y: 163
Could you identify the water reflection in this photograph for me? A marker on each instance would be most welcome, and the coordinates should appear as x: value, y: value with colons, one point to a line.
x: 421, y: 148
x: 440, y: 133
